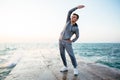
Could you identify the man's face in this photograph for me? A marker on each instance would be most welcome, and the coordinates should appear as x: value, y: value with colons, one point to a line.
x: 74, y: 18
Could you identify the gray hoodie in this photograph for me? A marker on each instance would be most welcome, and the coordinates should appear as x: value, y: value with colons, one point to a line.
x: 69, y: 29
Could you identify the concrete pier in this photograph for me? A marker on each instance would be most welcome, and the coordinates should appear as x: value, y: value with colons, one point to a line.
x: 45, y: 64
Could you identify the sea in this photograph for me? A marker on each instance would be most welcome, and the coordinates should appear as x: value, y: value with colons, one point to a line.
x: 107, y: 54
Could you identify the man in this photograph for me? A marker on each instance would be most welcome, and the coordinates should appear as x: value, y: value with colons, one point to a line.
x: 65, y: 41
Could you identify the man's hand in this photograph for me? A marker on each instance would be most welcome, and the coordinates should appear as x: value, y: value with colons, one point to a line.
x: 69, y: 41
x: 80, y: 6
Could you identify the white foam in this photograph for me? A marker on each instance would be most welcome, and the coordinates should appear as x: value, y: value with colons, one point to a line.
x: 12, y: 61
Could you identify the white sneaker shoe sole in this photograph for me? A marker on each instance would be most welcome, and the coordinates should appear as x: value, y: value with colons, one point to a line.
x: 76, y: 72
x: 64, y: 69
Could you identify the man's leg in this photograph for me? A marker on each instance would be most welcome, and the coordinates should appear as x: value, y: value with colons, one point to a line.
x: 62, y: 53
x: 69, y: 49
x: 72, y: 57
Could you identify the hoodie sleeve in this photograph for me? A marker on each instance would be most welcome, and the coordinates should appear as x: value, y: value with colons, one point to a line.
x: 76, y: 35
x: 69, y: 14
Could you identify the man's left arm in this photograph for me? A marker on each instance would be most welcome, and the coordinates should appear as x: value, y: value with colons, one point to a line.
x: 76, y: 35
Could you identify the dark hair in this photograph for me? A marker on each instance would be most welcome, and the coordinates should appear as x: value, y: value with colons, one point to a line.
x: 76, y: 15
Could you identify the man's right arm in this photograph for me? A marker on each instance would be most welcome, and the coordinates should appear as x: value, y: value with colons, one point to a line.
x: 69, y: 14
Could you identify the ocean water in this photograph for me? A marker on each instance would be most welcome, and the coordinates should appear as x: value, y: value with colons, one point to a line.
x: 8, y: 58
x: 103, y: 53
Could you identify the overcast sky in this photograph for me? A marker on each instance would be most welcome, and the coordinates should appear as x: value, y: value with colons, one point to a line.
x: 43, y: 20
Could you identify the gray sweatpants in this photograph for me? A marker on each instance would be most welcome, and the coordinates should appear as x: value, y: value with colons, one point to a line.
x: 65, y: 45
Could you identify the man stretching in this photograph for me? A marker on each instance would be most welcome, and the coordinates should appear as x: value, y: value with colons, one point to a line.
x: 65, y: 41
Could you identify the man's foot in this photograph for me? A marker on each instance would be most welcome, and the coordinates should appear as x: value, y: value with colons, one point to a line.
x: 76, y: 72
x: 64, y: 69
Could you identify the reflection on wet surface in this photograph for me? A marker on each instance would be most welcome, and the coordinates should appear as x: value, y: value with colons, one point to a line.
x: 65, y: 76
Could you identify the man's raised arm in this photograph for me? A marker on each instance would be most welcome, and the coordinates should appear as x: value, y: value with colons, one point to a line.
x: 73, y: 9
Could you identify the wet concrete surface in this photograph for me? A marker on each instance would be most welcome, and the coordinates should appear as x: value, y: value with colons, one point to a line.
x: 45, y: 64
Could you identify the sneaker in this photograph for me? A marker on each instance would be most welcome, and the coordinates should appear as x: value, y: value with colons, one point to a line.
x: 75, y: 72
x: 64, y: 69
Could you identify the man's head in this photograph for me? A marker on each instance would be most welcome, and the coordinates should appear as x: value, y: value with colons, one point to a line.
x: 74, y: 17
